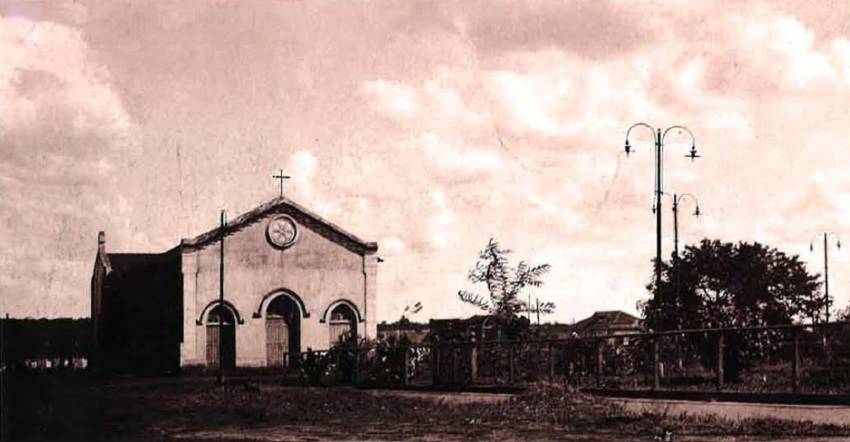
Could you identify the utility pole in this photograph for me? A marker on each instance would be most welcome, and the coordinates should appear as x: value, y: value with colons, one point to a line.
x: 826, y: 236
x: 221, y: 302
x: 537, y: 302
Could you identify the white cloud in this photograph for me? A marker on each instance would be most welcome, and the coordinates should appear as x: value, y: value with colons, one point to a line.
x: 392, y: 245
x: 391, y: 98
x: 449, y: 103
x: 448, y: 95
x: 447, y: 156
x: 304, y: 164
x: 60, y: 66
x: 533, y: 100
x: 841, y: 55
x: 807, y: 65
x: 441, y: 220
x: 787, y: 48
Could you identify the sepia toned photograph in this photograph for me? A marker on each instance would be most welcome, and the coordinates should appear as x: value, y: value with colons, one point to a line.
x: 424, y: 220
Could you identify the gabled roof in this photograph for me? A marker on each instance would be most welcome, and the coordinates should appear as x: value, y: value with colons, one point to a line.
x: 302, y: 215
x: 125, y: 262
x: 611, y: 318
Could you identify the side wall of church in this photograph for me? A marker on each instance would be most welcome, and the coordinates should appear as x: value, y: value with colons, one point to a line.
x: 315, y: 269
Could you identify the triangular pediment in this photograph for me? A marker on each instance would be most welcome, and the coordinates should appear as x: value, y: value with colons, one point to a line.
x: 283, y: 205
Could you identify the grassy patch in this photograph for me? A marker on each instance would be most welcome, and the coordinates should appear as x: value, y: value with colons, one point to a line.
x: 52, y: 407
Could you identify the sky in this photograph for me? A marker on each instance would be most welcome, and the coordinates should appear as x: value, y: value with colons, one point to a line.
x: 426, y: 126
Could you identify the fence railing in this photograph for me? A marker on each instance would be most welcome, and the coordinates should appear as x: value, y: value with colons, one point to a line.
x: 768, y: 359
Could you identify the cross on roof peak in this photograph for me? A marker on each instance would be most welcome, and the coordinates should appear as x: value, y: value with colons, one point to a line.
x: 281, y: 177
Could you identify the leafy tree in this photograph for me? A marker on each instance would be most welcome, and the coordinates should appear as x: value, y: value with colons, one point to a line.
x: 733, y: 285
x: 504, y: 283
x: 723, y: 284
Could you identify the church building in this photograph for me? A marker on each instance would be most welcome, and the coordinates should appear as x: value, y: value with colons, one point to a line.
x: 291, y: 281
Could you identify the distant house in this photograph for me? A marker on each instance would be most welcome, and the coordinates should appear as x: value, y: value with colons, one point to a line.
x: 415, y: 331
x: 614, y: 322
x: 555, y: 331
x: 599, y: 324
x: 456, y: 328
x: 483, y: 327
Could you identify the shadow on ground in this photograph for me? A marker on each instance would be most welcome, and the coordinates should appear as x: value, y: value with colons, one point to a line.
x: 77, y: 407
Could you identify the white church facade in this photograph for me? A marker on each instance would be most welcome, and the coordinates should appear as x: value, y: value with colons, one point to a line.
x: 292, y: 281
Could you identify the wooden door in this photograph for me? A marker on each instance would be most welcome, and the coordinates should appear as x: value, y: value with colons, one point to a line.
x: 277, y: 341
x: 215, y: 333
x: 228, y: 336
x: 213, y: 340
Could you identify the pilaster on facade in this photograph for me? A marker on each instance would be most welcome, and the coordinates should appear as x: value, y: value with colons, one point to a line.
x: 370, y: 272
x: 189, y: 264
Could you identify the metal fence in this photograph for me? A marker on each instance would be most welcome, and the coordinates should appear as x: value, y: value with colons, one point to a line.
x: 770, y: 359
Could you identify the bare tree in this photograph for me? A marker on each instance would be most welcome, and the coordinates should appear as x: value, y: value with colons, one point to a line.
x: 504, y: 283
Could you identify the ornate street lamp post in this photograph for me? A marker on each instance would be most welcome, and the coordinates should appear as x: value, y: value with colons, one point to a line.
x: 659, y: 137
x: 676, y: 200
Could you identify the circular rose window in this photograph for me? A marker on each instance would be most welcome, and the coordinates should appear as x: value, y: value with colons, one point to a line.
x: 282, y: 231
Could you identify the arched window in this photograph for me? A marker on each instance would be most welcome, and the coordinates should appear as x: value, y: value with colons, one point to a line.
x: 342, y: 312
x: 220, y: 314
x: 342, y: 323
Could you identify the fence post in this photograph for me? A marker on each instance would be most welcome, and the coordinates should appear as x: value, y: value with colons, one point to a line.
x: 599, y: 361
x: 795, y: 363
x: 551, y: 361
x: 539, y: 362
x: 473, y: 362
x: 454, y: 349
x: 435, y: 363
x: 356, y: 366
x: 338, y: 366
x: 721, y: 340
x: 406, y: 370
x: 512, y: 365
x: 656, y: 362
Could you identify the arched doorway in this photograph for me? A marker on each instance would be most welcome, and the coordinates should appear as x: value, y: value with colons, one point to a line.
x: 342, y: 323
x: 221, y: 337
x: 283, y: 332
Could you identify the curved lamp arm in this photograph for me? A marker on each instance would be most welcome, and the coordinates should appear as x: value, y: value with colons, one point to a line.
x: 684, y: 196
x: 664, y: 135
x: 656, y: 142
x: 628, y: 147
x: 837, y: 239
x: 828, y: 235
x: 693, y: 153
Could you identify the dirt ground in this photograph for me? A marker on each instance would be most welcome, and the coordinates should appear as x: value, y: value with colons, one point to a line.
x: 74, y: 407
